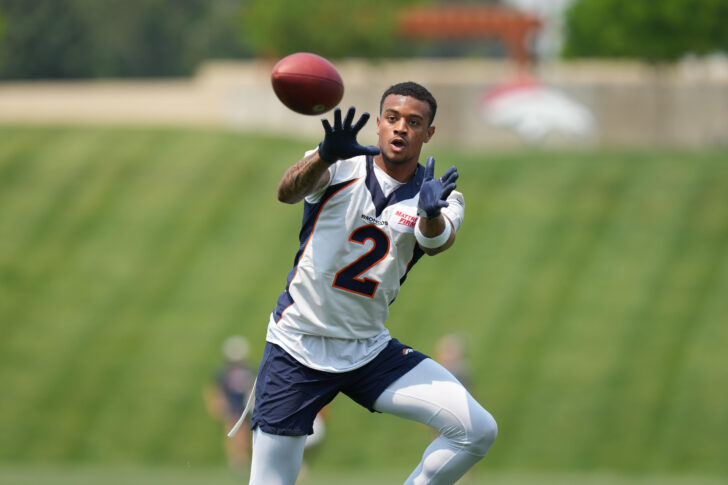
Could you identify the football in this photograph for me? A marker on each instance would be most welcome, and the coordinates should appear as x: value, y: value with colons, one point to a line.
x: 307, y: 83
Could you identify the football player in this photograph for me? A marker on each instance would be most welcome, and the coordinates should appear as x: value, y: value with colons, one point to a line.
x: 369, y: 214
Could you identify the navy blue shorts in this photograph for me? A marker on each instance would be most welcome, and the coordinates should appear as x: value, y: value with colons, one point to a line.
x: 288, y: 394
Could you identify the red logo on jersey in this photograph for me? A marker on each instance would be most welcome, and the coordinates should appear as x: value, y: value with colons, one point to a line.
x: 407, y: 351
x: 406, y: 219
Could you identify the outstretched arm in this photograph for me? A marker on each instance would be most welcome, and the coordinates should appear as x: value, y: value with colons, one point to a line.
x: 308, y: 175
x: 311, y: 172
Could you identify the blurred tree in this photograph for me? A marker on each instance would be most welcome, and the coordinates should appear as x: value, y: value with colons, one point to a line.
x: 43, y: 38
x: 330, y: 28
x: 115, y: 38
x: 158, y: 37
x: 2, y: 36
x: 645, y: 29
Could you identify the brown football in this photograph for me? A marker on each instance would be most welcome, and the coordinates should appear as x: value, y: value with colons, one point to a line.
x: 307, y: 83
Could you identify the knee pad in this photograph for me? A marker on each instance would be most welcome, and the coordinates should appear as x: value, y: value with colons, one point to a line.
x: 476, y: 437
x: 483, y: 434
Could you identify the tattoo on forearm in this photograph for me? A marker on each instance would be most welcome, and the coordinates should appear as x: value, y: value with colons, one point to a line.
x: 301, y: 179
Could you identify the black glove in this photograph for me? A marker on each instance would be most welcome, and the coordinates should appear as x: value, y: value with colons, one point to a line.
x: 434, y: 192
x: 340, y: 141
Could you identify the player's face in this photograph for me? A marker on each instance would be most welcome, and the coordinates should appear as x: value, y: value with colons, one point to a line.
x: 403, y: 126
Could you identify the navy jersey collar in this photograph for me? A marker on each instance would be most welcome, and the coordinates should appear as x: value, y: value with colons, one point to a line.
x: 404, y: 192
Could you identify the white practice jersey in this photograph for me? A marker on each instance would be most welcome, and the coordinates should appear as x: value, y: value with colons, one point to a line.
x: 357, y: 245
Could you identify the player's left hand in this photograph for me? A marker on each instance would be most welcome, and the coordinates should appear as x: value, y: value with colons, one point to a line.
x: 434, y: 192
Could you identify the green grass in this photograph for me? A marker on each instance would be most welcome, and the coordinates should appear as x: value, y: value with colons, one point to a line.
x: 93, y: 475
x: 591, y: 287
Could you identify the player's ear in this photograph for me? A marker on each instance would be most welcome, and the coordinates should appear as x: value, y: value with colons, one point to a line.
x: 430, y: 132
x: 378, y: 125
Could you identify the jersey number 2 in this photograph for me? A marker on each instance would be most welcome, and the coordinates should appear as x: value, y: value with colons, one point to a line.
x: 349, y: 278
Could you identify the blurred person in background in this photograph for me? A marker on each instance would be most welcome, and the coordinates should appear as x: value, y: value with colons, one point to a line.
x: 450, y: 351
x: 226, y: 395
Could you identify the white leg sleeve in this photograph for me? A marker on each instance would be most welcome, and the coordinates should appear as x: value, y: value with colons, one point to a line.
x: 429, y: 394
x: 276, y: 459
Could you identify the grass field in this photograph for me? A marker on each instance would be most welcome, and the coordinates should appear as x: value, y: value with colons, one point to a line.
x: 94, y: 475
x: 591, y: 287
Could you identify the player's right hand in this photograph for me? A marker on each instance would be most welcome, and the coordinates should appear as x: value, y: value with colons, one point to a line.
x: 339, y: 141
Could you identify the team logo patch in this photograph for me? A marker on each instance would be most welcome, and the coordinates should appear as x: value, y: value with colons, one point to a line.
x: 407, y: 351
x: 372, y: 220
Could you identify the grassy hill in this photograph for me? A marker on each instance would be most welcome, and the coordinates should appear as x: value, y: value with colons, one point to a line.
x: 591, y: 288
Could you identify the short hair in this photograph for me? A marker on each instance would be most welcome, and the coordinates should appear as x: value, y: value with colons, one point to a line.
x: 414, y: 90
